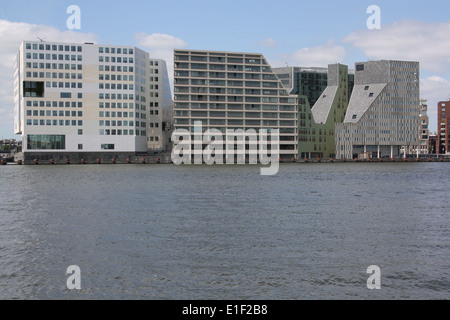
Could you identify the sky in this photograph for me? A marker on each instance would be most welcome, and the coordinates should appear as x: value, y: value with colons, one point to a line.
x: 286, y: 32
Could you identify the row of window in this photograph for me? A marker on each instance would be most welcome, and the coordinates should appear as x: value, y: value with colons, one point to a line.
x: 114, y: 86
x: 180, y: 97
x: 116, y: 60
x: 286, y: 123
x: 115, y: 50
x: 54, y: 75
x: 204, y: 66
x: 114, y: 96
x: 266, y: 92
x: 118, y: 105
x: 234, y: 114
x: 219, y: 59
x: 224, y: 129
x: 120, y: 132
x: 114, y: 123
x: 222, y: 106
x: 114, y: 114
x: 60, y: 57
x: 54, y: 104
x: 222, y: 75
x: 53, y: 66
x: 265, y: 107
x: 48, y: 122
x: 104, y: 68
x: 223, y: 83
x: 65, y: 85
x: 114, y: 77
x: 54, y: 113
x: 372, y: 139
x: 54, y: 47
x: 369, y: 132
x: 400, y: 64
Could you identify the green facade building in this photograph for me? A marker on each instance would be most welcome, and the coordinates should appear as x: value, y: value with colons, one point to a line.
x: 316, y: 124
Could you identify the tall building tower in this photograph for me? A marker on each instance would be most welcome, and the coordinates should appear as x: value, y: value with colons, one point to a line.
x: 230, y: 90
x: 383, y: 112
x: 444, y: 127
x: 81, y: 98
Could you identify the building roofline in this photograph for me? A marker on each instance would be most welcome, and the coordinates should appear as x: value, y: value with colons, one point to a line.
x: 388, y: 60
x: 80, y: 44
x: 218, y: 51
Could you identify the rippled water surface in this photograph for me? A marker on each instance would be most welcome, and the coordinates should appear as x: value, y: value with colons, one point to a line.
x: 225, y: 232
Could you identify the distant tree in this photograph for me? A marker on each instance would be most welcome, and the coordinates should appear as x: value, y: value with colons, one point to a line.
x: 6, y: 147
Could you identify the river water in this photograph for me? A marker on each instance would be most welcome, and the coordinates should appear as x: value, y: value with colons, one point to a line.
x: 225, y: 232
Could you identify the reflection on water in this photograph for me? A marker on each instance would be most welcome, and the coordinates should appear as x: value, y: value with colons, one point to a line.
x: 225, y: 232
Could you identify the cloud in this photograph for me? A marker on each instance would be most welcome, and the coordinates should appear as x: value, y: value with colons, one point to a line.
x: 268, y: 43
x: 11, y: 35
x: 434, y: 89
x: 320, y: 56
x: 428, y: 43
x: 160, y: 46
x: 159, y: 41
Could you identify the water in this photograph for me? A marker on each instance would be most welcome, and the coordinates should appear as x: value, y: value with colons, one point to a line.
x: 225, y: 232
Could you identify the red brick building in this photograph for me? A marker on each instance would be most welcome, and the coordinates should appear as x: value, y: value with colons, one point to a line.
x: 443, y: 127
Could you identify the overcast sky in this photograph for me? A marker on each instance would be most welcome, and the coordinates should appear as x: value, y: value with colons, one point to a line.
x: 287, y: 32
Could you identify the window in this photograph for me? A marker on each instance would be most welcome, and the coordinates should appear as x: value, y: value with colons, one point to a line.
x: 33, y: 89
x: 371, y: 94
x: 80, y: 147
x: 359, y: 67
x: 65, y: 95
x: 354, y: 116
x: 108, y: 147
x: 46, y: 142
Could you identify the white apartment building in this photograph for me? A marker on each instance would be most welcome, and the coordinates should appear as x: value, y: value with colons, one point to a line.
x: 82, y: 98
x: 230, y: 90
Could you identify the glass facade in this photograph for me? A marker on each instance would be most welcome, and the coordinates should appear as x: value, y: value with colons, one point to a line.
x: 46, y: 142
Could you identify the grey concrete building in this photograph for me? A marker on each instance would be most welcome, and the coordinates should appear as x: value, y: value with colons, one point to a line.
x: 383, y: 112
